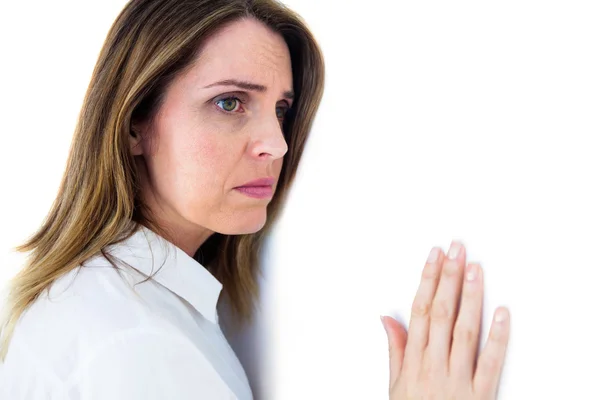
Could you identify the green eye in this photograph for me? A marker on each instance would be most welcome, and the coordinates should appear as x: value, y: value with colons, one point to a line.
x: 229, y: 104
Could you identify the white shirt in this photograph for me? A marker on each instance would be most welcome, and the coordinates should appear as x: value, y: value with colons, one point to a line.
x: 92, y: 338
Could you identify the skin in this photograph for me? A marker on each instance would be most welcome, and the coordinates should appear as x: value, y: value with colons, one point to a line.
x: 437, y: 357
x: 202, y: 145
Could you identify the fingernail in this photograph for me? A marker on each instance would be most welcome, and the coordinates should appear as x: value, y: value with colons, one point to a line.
x: 501, y: 315
x: 471, y: 274
x: 454, y: 250
x: 433, y: 255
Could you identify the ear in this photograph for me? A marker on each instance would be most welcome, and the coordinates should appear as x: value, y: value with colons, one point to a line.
x: 135, y: 140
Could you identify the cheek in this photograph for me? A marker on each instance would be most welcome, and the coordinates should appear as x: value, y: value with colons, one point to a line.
x: 206, y: 164
x: 277, y: 166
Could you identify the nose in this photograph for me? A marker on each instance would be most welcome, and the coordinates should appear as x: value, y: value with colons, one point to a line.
x: 268, y: 141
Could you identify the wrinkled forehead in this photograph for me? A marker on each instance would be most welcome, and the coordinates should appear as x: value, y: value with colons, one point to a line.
x: 245, y: 50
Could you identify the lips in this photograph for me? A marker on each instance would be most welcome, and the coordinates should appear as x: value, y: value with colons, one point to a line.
x: 259, y: 182
x: 258, y: 188
x: 258, y: 192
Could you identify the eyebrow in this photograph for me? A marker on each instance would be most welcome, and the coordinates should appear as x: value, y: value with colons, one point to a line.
x: 248, y: 86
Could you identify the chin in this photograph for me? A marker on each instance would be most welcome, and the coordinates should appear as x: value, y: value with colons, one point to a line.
x: 244, y: 224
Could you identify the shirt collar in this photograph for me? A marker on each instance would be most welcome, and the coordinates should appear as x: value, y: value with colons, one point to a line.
x: 177, y: 271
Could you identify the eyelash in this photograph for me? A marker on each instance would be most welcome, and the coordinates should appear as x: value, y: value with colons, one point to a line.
x: 287, y: 109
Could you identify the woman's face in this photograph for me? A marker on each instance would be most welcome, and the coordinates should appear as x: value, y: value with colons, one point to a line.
x: 212, y: 136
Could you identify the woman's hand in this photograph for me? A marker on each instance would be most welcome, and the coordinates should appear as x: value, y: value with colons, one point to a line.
x: 437, y: 358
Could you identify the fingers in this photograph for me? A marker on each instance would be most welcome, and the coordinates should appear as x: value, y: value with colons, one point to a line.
x: 466, y: 331
x: 443, y: 309
x: 418, y: 331
x: 438, y: 356
x: 397, y: 342
x: 491, y: 359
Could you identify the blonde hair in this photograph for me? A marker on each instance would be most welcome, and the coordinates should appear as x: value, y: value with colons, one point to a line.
x: 98, y: 202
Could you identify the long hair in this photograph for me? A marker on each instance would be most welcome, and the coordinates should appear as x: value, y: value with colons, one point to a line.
x: 98, y: 203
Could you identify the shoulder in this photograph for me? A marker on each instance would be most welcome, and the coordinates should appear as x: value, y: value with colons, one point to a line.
x: 148, y: 364
x: 91, y: 332
x: 138, y: 363
x: 81, y: 310
x: 88, y: 296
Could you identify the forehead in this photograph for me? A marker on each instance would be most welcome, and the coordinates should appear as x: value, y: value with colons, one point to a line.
x: 246, y: 50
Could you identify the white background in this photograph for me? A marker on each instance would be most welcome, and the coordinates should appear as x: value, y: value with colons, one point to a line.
x: 440, y: 121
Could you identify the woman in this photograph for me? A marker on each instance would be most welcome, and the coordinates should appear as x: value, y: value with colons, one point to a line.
x: 189, y: 137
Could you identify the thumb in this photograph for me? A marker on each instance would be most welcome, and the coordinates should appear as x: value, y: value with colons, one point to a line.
x: 397, y: 336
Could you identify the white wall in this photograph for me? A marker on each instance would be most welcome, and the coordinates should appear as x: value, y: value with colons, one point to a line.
x: 469, y: 120
x: 440, y: 120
